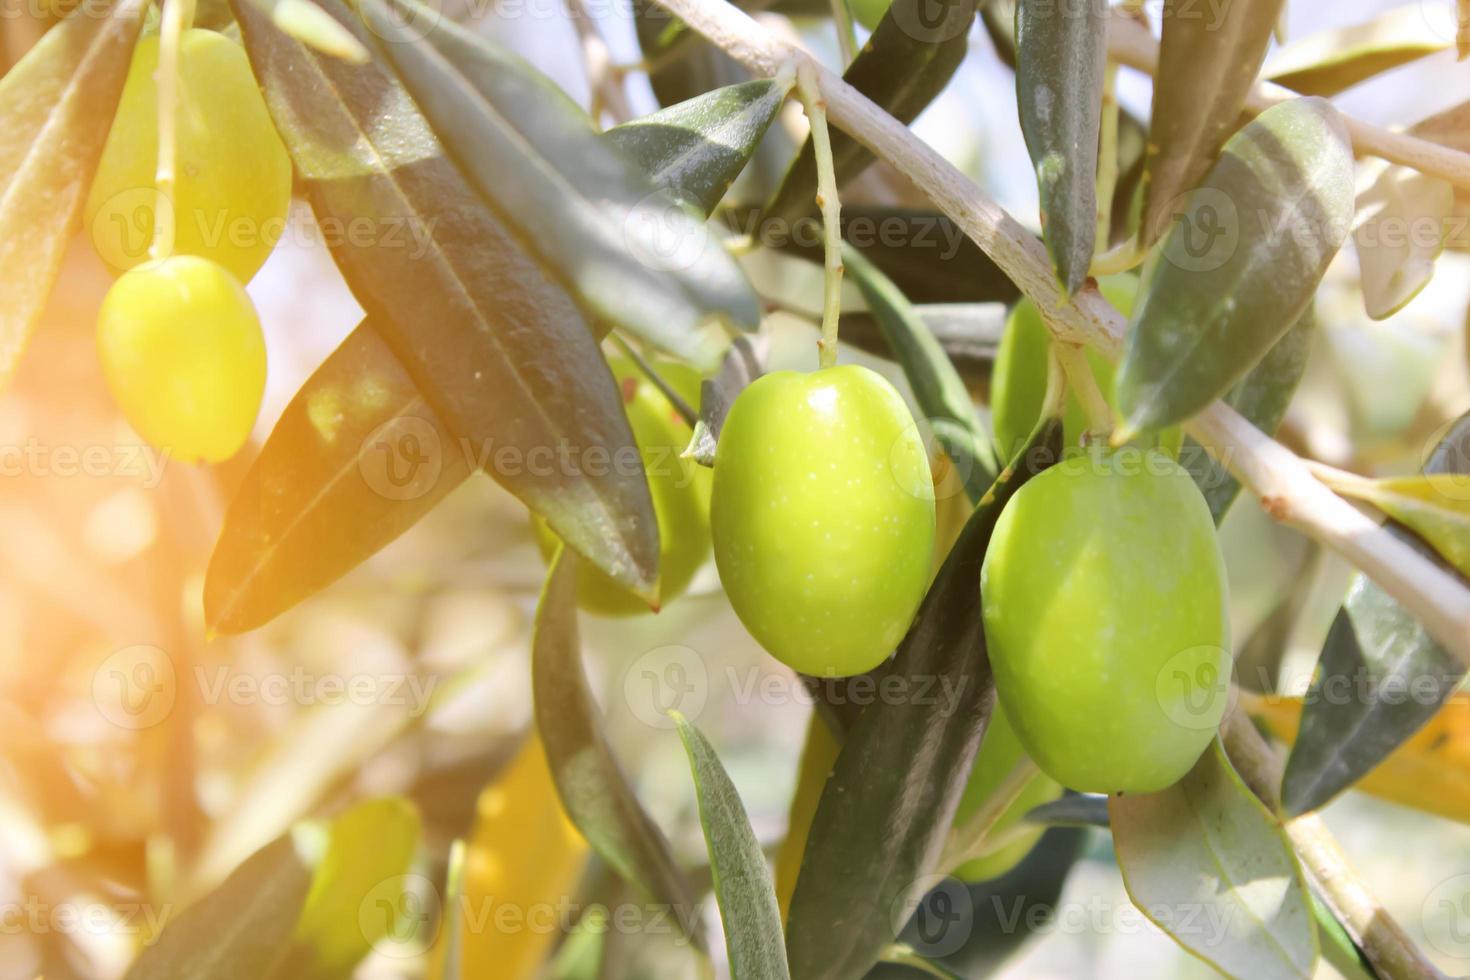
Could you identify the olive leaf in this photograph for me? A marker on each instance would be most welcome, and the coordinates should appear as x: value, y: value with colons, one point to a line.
x: 928, y: 256
x: 359, y: 455
x: 1380, y: 678
x: 1219, y: 55
x: 314, y: 27
x: 742, y: 881
x: 634, y: 256
x: 1072, y: 810
x: 1435, y: 506
x: 594, y: 790
x: 1211, y: 866
x: 968, y: 334
x: 357, y: 889
x: 242, y: 929
x: 1327, y: 62
x: 492, y: 341
x: 1403, y: 217
x: 743, y: 363
x: 908, y: 60
x: 1061, y: 53
x: 56, y: 105
x: 1272, y: 212
x: 1262, y: 396
x: 845, y: 911
x: 937, y: 387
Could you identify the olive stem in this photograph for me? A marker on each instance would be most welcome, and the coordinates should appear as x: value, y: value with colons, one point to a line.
x: 1084, y: 385
x: 177, y: 16
x: 1054, y: 399
x: 816, y: 110
x: 969, y: 840
x: 1278, y: 477
x: 1392, y: 953
x: 688, y: 414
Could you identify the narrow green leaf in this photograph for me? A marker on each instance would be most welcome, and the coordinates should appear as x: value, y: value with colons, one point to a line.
x: 742, y: 880
x: 1061, y: 54
x: 1270, y: 215
x: 1338, y: 947
x: 56, y: 105
x: 357, y: 457
x: 926, y: 254
x: 1330, y: 61
x: 242, y: 929
x: 1403, y: 218
x: 633, y: 255
x: 314, y: 27
x: 1262, y: 396
x: 1218, y: 54
x: 696, y: 149
x: 454, y: 922
x: 1072, y: 810
x: 358, y: 886
x: 494, y: 344
x: 743, y: 363
x: 594, y: 789
x: 1433, y: 506
x: 937, y: 387
x: 1209, y: 864
x: 846, y: 908
x: 968, y: 333
x: 1380, y: 679
x: 907, y: 61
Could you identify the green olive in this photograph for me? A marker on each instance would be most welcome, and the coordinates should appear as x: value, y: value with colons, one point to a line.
x: 1105, y: 608
x: 823, y: 517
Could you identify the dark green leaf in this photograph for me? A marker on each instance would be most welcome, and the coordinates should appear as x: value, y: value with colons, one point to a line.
x: 937, y: 387
x: 1330, y: 61
x: 1218, y: 54
x: 1212, y: 867
x: 743, y: 363
x: 1262, y: 396
x: 494, y: 344
x: 365, y: 866
x: 593, y: 787
x: 1380, y: 679
x: 1072, y: 810
x: 1270, y: 215
x: 742, y: 881
x: 875, y: 839
x: 697, y: 148
x: 968, y: 333
x: 926, y: 254
x: 999, y: 20
x: 241, y: 930
x: 632, y: 254
x: 357, y: 457
x: 56, y: 105
x: 907, y: 61
x: 1061, y: 53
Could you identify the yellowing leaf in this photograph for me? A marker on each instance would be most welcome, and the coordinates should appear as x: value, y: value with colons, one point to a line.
x: 1329, y: 61
x: 1402, y: 220
x: 1429, y: 772
x: 1436, y: 506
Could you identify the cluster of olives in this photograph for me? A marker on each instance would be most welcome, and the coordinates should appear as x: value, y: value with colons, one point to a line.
x: 179, y: 340
x: 1103, y: 588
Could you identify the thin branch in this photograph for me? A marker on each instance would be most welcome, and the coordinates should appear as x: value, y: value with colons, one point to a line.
x: 831, y: 206
x: 1131, y: 44
x: 603, y: 77
x: 1281, y: 481
x: 1392, y: 953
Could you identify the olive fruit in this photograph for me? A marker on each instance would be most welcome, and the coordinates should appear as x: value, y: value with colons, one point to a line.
x: 999, y: 755
x: 233, y: 183
x: 823, y: 517
x: 1018, y: 383
x: 680, y: 489
x: 183, y: 354
x: 1104, y: 601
